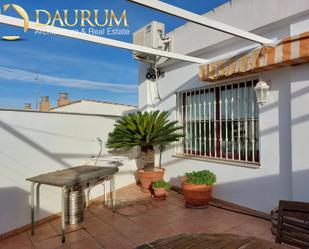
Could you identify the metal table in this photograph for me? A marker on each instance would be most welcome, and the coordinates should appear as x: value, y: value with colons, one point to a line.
x: 86, y: 175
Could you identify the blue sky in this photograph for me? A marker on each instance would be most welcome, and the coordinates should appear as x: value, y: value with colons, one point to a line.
x: 84, y: 70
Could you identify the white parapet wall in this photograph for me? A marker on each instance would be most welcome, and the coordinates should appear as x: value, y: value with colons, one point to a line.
x: 33, y: 143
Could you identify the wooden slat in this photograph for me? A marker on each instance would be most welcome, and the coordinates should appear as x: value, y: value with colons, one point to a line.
x: 203, y: 244
x: 293, y: 223
x: 297, y: 214
x: 177, y: 244
x: 210, y: 241
x: 293, y: 233
x: 238, y: 243
x: 221, y: 244
x: 297, y: 223
x: 295, y: 242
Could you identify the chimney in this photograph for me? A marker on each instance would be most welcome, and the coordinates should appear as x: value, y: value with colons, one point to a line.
x: 44, y: 103
x: 63, y: 99
x: 27, y: 106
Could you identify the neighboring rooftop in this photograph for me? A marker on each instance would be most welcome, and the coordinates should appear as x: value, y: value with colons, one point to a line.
x: 96, y: 101
x: 87, y: 106
x: 82, y: 106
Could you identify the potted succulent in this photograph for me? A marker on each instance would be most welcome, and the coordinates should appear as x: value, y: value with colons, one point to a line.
x: 147, y: 130
x: 159, y: 189
x: 197, y: 188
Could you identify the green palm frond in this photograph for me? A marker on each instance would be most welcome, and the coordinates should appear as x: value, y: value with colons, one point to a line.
x: 143, y: 129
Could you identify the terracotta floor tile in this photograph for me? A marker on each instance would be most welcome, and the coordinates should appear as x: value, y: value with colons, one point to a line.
x: 76, y: 236
x: 111, y: 217
x: 256, y: 226
x: 140, y: 239
x: 43, y: 232
x: 218, y: 227
x: 234, y: 219
x: 131, y: 230
x: 19, y: 240
x: 236, y: 230
x: 88, y: 214
x: 99, y: 210
x: 97, y: 229
x: 26, y: 247
x: 68, y: 228
x: 166, y: 218
x: 121, y: 223
x: 114, y: 239
x: 88, y: 243
x: 267, y: 236
x: 91, y: 221
x: 127, y: 211
x: 51, y: 243
x: 139, y: 219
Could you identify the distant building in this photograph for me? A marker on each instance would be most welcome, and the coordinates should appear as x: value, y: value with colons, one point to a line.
x: 83, y: 106
x: 95, y: 107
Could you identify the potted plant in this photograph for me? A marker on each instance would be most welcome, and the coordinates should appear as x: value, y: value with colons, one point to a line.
x: 197, y: 188
x: 148, y: 130
x: 159, y: 189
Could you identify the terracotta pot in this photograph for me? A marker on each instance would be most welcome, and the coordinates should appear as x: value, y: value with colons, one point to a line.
x: 196, y: 195
x: 147, y: 178
x: 159, y: 192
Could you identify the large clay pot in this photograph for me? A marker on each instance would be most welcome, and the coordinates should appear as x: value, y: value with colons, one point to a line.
x: 196, y: 195
x: 147, y: 178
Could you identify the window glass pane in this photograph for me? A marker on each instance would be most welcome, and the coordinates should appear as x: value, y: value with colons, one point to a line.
x: 222, y: 122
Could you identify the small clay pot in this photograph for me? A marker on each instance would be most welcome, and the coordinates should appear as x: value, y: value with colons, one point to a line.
x: 159, y: 192
x: 147, y: 178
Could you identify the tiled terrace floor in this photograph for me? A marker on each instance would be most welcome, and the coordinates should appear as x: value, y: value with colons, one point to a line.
x: 139, y: 220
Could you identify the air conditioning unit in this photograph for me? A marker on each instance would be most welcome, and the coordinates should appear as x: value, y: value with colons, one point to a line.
x: 152, y: 35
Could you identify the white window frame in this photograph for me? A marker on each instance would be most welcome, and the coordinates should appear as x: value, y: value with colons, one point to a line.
x: 199, y: 146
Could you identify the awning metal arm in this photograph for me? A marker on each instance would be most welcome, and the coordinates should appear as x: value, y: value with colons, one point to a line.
x: 202, y: 20
x: 100, y: 40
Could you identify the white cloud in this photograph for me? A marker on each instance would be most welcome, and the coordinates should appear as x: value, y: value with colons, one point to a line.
x: 26, y: 76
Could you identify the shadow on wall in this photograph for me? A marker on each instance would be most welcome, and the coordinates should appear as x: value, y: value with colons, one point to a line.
x: 191, y: 83
x: 265, y: 191
x: 32, y: 144
x: 260, y: 193
x: 301, y: 185
x: 15, y: 208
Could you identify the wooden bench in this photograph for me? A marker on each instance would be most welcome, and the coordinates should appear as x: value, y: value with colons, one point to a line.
x: 293, y: 224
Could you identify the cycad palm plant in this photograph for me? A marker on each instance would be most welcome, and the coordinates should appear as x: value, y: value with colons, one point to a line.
x: 147, y: 130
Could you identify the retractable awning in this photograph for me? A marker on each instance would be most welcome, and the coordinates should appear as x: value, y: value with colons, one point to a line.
x: 292, y: 50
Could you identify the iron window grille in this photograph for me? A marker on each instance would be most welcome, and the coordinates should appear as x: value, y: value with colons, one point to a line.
x: 220, y: 122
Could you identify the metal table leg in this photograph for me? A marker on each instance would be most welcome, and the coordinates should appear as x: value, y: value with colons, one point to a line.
x: 105, y: 197
x: 63, y: 192
x: 32, y: 207
x: 113, y: 190
x: 87, y: 196
x: 37, y: 199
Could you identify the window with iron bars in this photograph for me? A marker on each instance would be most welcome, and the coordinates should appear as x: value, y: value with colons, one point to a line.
x: 220, y: 122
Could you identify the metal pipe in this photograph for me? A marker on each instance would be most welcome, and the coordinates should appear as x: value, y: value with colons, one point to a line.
x: 63, y: 193
x: 113, y: 190
x: 32, y: 208
x: 201, y: 20
x: 100, y: 40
